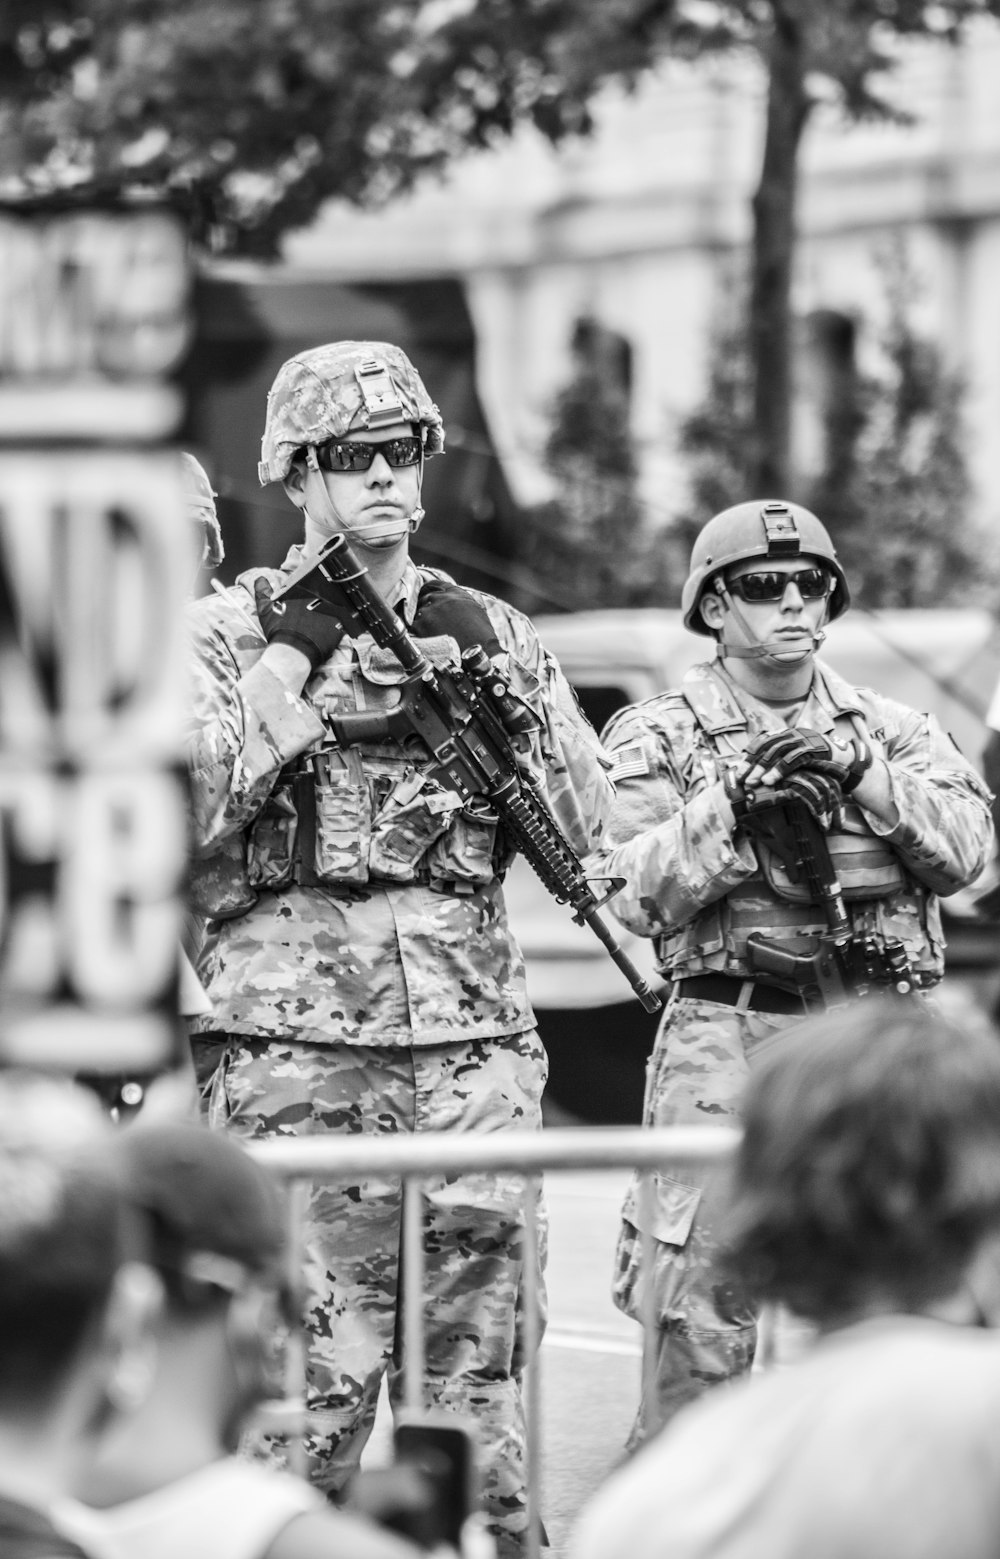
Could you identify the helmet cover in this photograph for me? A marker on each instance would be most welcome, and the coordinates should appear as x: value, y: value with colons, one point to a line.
x: 342, y: 388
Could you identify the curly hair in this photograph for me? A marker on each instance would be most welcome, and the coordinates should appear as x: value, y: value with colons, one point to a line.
x: 870, y: 1161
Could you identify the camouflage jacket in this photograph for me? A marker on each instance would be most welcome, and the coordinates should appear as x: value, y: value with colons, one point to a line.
x: 700, y: 889
x: 382, y: 922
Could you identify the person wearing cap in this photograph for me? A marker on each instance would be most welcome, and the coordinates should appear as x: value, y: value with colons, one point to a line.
x: 358, y: 956
x: 75, y: 1304
x: 907, y: 819
x: 164, y: 1479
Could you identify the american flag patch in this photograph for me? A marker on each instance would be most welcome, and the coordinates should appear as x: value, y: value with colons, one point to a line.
x: 628, y: 761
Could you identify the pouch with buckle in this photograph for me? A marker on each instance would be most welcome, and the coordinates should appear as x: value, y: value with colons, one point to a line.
x: 413, y: 815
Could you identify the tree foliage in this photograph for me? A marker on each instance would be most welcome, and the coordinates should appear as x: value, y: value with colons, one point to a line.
x: 591, y: 541
x: 902, y: 517
x: 894, y: 490
x: 250, y: 113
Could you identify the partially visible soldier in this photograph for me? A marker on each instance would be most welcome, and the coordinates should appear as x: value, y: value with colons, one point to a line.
x: 906, y: 817
x: 199, y: 500
x: 199, y: 503
x: 124, y: 1094
x: 358, y: 956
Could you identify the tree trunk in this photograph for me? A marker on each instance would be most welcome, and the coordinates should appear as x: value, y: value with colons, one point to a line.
x: 773, y: 249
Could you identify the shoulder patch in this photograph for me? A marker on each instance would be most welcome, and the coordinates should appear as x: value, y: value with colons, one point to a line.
x: 628, y: 761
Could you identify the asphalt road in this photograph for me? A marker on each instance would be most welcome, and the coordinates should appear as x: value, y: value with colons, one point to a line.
x: 591, y: 1356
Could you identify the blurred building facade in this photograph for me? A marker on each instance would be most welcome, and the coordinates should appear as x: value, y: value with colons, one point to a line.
x: 639, y: 228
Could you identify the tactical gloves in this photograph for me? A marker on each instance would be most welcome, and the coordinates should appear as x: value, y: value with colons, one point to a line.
x: 444, y: 608
x: 819, y: 792
x: 793, y: 751
x: 300, y: 619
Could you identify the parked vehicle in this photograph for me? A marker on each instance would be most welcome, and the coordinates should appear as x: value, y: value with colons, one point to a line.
x: 597, y: 1035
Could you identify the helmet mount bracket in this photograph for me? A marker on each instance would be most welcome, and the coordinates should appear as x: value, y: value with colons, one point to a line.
x: 381, y: 400
x: 780, y: 531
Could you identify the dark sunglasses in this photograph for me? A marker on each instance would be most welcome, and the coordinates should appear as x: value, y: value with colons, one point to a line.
x: 770, y: 585
x: 339, y: 455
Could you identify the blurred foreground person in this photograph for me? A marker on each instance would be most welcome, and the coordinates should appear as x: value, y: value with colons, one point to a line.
x: 867, y: 1199
x: 73, y: 1309
x: 165, y: 1483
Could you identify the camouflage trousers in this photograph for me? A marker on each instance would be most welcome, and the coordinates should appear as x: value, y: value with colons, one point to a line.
x: 707, y: 1327
x: 474, y: 1241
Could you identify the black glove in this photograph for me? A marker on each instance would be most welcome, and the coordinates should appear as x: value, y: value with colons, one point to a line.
x: 444, y: 608
x: 820, y: 792
x: 299, y: 619
x: 789, y: 752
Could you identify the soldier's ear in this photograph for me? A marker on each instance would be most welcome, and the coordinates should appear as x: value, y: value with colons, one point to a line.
x: 294, y: 483
x: 712, y: 609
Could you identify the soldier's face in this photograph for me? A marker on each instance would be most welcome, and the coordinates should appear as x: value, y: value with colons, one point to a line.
x: 374, y: 506
x: 791, y: 618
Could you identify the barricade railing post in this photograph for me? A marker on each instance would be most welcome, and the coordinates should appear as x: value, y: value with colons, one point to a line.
x: 413, y: 1294
x: 295, y: 1355
x: 648, y: 1310
x: 532, y: 1381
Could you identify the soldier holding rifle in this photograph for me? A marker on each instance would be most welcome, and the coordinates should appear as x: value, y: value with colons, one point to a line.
x: 784, y: 838
x: 358, y: 958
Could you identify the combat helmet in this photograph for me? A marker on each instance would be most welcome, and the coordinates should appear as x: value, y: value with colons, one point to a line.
x: 762, y: 528
x: 199, y: 501
x: 342, y: 388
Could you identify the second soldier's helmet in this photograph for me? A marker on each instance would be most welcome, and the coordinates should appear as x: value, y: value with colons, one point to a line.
x: 342, y: 388
x: 759, y: 529
x: 199, y: 500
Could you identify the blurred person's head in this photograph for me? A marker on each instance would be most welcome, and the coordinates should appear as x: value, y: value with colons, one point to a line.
x: 74, y: 1305
x: 215, y: 1228
x: 868, y: 1176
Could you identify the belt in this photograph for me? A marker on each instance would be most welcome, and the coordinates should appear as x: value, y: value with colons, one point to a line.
x: 733, y: 992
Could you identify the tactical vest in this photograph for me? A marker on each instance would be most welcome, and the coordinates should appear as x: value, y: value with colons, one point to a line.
x: 868, y: 868
x: 343, y: 817
x: 885, y: 898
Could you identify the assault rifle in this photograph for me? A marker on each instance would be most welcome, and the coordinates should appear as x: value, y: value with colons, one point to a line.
x: 835, y: 966
x: 465, y: 720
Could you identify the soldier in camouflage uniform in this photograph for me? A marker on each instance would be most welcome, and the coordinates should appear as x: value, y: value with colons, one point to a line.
x: 358, y: 957
x: 908, y: 820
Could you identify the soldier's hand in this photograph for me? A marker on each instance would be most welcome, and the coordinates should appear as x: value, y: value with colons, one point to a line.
x: 299, y: 619
x: 820, y: 792
x: 775, y: 756
x: 444, y: 608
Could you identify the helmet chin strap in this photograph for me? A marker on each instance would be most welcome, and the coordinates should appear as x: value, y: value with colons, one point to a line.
x: 776, y: 650
x: 319, y: 506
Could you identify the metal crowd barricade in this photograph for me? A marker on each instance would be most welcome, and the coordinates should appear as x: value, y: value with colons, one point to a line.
x: 529, y: 1153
